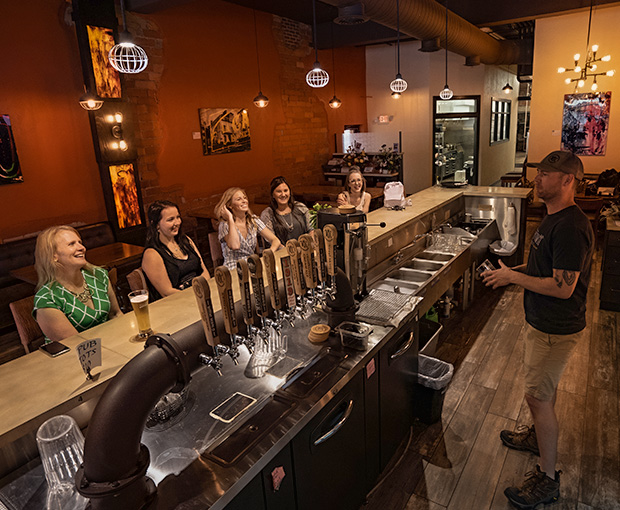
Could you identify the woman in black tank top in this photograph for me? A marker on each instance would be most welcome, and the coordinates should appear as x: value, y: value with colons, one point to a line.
x: 171, y: 260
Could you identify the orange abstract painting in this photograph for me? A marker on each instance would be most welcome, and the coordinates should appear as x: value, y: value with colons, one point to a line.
x: 125, y: 195
x: 107, y: 79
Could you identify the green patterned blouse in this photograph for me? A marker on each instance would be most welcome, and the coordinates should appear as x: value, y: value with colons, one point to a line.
x: 82, y: 316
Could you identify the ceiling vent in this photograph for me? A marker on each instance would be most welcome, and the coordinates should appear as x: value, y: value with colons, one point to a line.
x: 351, y: 15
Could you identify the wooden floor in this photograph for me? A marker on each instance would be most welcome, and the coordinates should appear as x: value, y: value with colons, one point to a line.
x: 460, y: 463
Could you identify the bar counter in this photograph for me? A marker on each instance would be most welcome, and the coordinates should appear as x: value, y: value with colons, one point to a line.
x: 36, y: 387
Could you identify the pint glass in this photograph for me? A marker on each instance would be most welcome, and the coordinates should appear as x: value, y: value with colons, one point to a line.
x: 140, y: 303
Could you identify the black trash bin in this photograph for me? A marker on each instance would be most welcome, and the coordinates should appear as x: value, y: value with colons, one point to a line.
x: 434, y: 376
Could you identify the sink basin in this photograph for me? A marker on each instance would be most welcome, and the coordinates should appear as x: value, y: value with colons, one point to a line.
x: 397, y: 286
x: 408, y: 275
x: 428, y: 255
x: 456, y: 231
x: 424, y: 265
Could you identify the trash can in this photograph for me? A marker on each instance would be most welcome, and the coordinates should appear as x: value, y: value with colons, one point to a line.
x: 434, y: 376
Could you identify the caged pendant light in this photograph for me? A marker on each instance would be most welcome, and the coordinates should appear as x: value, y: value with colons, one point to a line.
x: 398, y: 85
x: 317, y: 77
x: 126, y: 56
x: 90, y: 102
x: 334, y: 102
x: 261, y: 101
x: 446, y: 93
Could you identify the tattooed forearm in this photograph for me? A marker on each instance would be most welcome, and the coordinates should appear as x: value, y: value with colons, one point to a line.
x: 558, y: 280
x: 569, y: 277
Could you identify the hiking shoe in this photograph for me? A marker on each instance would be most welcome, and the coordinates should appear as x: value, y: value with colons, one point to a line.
x: 536, y: 489
x: 524, y: 438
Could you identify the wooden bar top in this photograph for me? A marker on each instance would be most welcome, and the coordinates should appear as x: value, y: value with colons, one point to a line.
x: 36, y: 387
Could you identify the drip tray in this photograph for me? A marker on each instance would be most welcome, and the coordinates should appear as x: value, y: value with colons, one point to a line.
x: 257, y: 426
x: 305, y: 379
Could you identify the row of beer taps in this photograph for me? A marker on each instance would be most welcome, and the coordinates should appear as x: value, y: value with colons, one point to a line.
x: 309, y: 278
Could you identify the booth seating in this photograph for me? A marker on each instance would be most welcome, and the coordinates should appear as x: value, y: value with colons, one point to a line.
x: 20, y: 253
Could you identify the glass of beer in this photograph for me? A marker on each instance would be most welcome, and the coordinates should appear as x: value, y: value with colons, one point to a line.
x: 140, y: 303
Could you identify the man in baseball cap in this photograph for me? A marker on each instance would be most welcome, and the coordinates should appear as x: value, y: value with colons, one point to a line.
x: 555, y: 280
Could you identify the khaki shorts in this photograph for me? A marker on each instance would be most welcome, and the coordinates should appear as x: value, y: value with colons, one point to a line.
x: 545, y: 357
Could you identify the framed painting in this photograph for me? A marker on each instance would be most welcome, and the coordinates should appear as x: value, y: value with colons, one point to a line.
x: 125, y: 192
x: 10, y: 171
x: 585, y: 123
x: 224, y: 130
x: 107, y: 79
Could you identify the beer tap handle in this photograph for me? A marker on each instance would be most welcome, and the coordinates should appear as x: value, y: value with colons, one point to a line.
x: 205, y: 307
x: 330, y: 234
x: 307, y: 259
x: 320, y: 251
x: 255, y: 267
x: 227, y: 301
x: 272, y: 279
x: 291, y: 247
x: 243, y: 275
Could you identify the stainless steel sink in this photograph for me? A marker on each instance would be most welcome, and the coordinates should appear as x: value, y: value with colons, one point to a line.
x: 456, y: 231
x: 424, y: 265
x: 429, y: 255
x: 409, y: 275
x: 397, y: 286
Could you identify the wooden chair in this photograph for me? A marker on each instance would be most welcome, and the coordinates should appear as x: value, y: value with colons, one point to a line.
x: 136, y: 280
x: 591, y: 206
x: 215, y: 248
x: 29, y: 331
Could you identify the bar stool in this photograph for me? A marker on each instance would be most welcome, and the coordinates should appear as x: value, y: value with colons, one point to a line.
x: 30, y: 333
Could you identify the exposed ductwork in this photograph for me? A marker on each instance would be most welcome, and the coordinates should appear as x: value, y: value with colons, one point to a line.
x: 425, y: 20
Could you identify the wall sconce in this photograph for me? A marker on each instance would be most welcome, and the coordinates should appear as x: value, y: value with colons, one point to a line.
x: 117, y: 131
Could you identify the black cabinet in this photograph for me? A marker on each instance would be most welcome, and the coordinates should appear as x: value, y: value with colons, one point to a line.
x: 610, y: 278
x: 329, y: 454
x: 398, y: 368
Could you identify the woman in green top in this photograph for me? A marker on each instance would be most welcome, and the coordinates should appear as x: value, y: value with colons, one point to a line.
x: 72, y: 295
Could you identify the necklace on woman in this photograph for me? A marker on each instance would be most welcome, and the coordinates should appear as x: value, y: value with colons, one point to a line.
x: 290, y: 225
x: 83, y: 296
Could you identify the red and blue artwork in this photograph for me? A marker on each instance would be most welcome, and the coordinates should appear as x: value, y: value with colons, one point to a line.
x: 10, y: 171
x: 585, y: 123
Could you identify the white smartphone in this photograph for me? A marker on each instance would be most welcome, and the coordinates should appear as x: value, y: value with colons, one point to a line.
x: 54, y: 349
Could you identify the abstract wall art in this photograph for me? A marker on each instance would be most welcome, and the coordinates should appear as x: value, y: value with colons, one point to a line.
x: 107, y: 78
x: 125, y: 191
x: 224, y: 130
x: 585, y: 123
x: 10, y: 171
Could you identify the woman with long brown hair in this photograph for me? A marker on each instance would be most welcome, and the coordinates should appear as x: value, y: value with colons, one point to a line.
x: 355, y: 193
x: 239, y: 227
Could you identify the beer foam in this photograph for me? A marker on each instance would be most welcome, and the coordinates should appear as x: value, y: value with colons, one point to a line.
x: 139, y: 299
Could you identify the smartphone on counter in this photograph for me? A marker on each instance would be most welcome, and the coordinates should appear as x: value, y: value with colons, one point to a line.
x: 54, y: 349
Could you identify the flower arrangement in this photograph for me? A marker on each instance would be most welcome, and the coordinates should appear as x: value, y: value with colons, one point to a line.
x: 314, y: 212
x: 389, y: 160
x: 353, y: 157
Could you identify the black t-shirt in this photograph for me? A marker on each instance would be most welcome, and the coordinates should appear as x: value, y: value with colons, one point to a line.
x: 564, y: 240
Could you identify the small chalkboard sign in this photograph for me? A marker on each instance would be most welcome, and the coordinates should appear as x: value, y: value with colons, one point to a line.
x: 89, y: 354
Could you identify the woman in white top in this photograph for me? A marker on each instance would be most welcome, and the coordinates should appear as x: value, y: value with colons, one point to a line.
x: 355, y: 191
x: 238, y: 228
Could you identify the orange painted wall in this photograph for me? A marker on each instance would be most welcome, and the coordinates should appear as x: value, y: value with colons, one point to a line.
x: 40, y: 85
x: 210, y: 62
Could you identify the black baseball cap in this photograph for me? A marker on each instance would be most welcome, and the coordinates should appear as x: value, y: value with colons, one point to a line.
x: 561, y: 161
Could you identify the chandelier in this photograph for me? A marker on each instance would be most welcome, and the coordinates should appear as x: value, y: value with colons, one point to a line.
x: 590, y: 66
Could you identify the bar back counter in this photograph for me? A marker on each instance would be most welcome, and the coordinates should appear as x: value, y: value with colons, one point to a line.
x: 324, y: 419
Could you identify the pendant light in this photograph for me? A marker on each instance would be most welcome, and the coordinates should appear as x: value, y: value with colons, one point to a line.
x: 261, y: 101
x: 446, y: 93
x: 126, y: 56
x: 334, y: 102
x: 317, y: 77
x: 507, y: 88
x: 398, y: 85
x: 90, y: 102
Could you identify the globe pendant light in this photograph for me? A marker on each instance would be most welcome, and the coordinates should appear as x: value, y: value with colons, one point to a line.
x: 446, y: 93
x: 398, y: 85
x: 126, y: 56
x: 317, y: 77
x: 261, y: 101
x: 334, y: 102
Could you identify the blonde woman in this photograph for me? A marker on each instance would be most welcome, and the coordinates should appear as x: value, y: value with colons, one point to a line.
x: 238, y: 228
x: 72, y: 295
x: 355, y: 193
